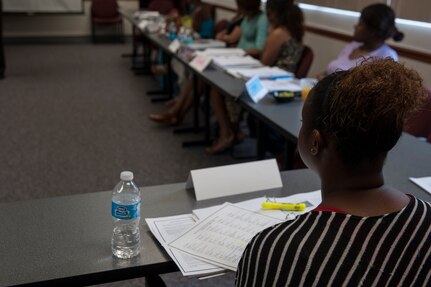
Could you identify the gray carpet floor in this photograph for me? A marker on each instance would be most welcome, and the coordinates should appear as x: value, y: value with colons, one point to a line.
x: 74, y: 116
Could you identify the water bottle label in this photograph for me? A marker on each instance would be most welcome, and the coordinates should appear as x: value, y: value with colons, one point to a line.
x: 125, y: 212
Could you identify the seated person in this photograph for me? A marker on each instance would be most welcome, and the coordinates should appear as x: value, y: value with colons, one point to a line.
x: 364, y: 232
x: 202, y: 20
x: 232, y: 33
x: 376, y: 25
x: 182, y: 104
x: 283, y: 48
x: 254, y: 31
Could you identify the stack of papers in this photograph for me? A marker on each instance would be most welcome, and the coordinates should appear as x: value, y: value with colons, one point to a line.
x: 206, y: 43
x: 213, y: 239
x: 216, y: 52
x: 236, y: 61
x: 221, y: 238
x: 167, y: 229
x: 146, y: 14
x: 261, y: 72
x: 282, y: 85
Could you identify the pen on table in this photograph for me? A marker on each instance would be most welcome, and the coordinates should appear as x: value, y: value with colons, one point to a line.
x: 284, y: 206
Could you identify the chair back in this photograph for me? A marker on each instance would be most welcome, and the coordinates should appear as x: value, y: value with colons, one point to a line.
x: 419, y: 123
x: 104, y: 8
x: 164, y: 7
x: 304, y: 62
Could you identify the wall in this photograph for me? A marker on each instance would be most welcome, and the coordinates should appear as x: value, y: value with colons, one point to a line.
x: 79, y: 25
x: 416, y: 38
x: 73, y: 25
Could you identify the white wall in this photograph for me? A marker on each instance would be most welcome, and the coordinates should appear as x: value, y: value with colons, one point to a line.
x: 72, y: 25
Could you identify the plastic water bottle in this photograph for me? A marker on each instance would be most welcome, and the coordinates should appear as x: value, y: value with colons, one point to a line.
x: 182, y: 35
x: 172, y: 30
x: 126, y: 201
x: 188, y: 36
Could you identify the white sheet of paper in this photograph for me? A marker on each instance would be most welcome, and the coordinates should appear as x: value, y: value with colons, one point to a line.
x: 214, y: 52
x: 221, y: 238
x: 423, y: 182
x: 282, y: 85
x: 166, y: 229
x: 206, y: 43
x: 200, y: 62
x: 233, y: 61
x: 174, y: 46
x: 312, y: 199
x: 264, y: 72
x: 235, y: 179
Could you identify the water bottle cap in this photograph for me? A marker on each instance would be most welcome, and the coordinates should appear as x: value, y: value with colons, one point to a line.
x: 126, y: 175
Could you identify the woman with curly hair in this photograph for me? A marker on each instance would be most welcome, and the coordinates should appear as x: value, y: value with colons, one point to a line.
x: 364, y: 232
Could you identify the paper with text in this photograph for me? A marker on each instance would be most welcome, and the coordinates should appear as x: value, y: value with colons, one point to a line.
x: 166, y: 229
x: 424, y: 182
x: 221, y: 238
x: 312, y: 200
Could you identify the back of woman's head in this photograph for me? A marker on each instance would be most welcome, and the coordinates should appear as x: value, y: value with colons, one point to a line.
x: 380, y: 18
x: 249, y: 7
x: 363, y: 110
x: 288, y: 15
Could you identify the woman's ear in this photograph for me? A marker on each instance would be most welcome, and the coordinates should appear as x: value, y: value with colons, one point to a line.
x: 318, y: 142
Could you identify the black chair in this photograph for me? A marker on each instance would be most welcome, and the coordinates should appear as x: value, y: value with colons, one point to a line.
x: 304, y: 63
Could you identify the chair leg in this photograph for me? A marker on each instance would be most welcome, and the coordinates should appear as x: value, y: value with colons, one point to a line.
x: 93, y: 32
x: 122, y: 32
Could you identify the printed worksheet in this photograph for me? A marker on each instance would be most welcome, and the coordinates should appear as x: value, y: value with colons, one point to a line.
x: 166, y: 229
x: 221, y: 238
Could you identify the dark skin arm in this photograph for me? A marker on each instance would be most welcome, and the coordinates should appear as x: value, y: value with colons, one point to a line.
x: 273, y: 45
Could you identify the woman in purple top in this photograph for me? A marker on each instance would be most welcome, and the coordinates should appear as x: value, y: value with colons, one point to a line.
x: 376, y: 25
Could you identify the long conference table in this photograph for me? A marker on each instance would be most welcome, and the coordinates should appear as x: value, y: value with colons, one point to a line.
x: 65, y: 241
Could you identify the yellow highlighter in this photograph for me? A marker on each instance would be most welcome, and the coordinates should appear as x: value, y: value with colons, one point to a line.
x: 284, y: 206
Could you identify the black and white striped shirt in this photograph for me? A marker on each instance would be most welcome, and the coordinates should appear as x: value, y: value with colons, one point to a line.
x: 333, y: 249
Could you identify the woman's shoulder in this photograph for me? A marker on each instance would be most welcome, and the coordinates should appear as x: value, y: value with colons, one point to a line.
x: 279, y: 34
x: 386, y: 51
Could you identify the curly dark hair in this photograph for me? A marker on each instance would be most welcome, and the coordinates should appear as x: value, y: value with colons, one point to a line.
x: 364, y: 109
x: 288, y: 15
x: 381, y: 19
x: 250, y: 7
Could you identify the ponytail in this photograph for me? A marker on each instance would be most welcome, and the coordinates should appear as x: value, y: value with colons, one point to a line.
x: 398, y: 35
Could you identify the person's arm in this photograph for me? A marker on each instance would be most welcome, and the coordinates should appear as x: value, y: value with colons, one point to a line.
x: 231, y: 38
x: 273, y: 46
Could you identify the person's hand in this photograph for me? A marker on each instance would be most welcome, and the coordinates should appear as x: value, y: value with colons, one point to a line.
x: 220, y: 36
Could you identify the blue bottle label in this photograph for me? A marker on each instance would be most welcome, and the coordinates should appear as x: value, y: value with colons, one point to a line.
x: 125, y: 212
